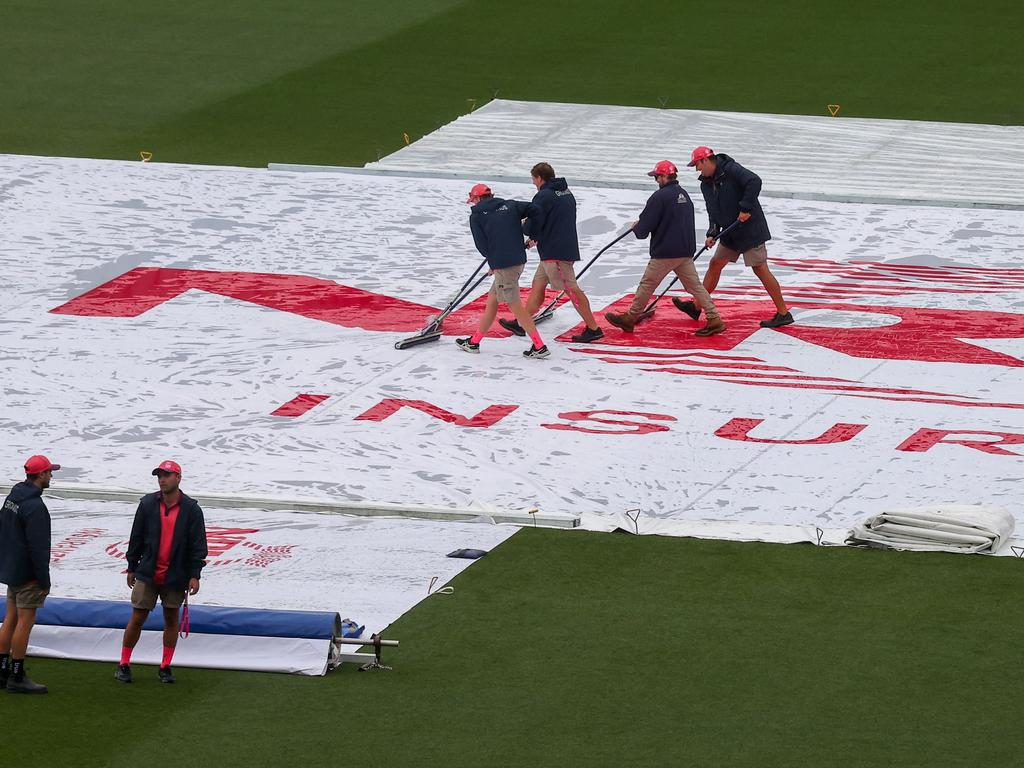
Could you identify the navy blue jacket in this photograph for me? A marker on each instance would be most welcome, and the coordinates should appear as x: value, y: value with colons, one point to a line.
x: 668, y: 219
x: 25, y: 537
x: 497, y: 229
x: 732, y: 190
x: 188, y: 550
x: 552, y: 222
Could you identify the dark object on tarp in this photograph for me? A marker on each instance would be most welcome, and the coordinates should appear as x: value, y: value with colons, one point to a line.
x: 468, y: 554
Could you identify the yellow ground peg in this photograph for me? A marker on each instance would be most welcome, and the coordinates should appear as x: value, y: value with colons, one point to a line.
x: 471, y: 103
x: 145, y: 156
x: 406, y: 137
x: 833, y: 109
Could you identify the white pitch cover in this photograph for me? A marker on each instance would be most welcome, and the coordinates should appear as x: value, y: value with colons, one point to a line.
x: 899, y: 385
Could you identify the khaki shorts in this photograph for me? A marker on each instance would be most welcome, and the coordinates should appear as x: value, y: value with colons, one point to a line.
x: 26, y: 596
x: 505, y: 286
x: 560, y: 275
x: 144, y: 596
x: 755, y: 257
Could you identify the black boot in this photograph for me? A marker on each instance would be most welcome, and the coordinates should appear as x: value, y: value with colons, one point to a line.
x: 511, y: 325
x: 19, y: 681
x: 687, y: 307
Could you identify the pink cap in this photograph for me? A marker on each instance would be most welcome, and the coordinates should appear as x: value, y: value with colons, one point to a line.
x: 478, y: 191
x: 168, y: 466
x: 663, y: 168
x: 699, y: 154
x: 38, y: 464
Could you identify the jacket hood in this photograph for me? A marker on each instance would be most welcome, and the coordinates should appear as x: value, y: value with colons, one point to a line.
x: 25, y: 490
x: 721, y: 161
x: 488, y: 205
x: 558, y: 184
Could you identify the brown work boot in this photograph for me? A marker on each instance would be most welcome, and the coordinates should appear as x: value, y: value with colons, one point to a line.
x: 713, y: 327
x: 625, y: 321
x: 688, y: 307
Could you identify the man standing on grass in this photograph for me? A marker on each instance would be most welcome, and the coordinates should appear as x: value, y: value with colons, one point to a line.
x: 496, y: 225
x: 730, y: 193
x: 166, y: 554
x: 25, y: 569
x: 668, y: 220
x: 551, y: 226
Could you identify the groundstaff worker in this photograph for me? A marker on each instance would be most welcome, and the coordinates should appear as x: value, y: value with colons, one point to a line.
x: 166, y: 554
x: 25, y: 569
x: 668, y: 220
x: 551, y: 226
x: 496, y: 225
x: 730, y: 192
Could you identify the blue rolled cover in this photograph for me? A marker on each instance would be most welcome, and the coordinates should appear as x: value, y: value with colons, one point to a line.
x: 203, y: 619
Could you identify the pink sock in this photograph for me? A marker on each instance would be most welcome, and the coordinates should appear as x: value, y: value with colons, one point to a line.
x: 126, y: 654
x: 538, y: 342
x: 168, y: 655
x: 475, y: 338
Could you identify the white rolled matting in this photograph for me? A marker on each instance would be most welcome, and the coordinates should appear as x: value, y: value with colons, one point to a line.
x: 834, y: 158
x: 163, y: 311
x: 953, y: 528
x: 371, y: 570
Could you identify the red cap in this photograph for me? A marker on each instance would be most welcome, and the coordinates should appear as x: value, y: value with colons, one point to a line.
x: 663, y: 168
x: 699, y: 154
x: 168, y: 466
x: 37, y: 464
x: 478, y: 190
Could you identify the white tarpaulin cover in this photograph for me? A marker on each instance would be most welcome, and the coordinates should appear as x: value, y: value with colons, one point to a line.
x: 371, y: 570
x: 840, y: 158
x: 953, y: 528
x: 243, y: 321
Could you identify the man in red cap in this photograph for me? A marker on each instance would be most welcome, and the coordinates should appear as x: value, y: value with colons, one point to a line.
x: 730, y: 193
x: 25, y: 569
x: 668, y: 220
x: 496, y: 225
x: 551, y: 226
x: 166, y: 554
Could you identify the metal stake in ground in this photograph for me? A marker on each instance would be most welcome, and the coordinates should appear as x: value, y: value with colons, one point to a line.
x: 649, y: 311
x: 432, y: 330
x: 549, y: 310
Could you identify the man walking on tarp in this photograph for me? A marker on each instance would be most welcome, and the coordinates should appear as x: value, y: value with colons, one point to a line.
x: 25, y: 569
x: 551, y: 226
x: 668, y: 220
x: 496, y: 225
x: 730, y: 192
x: 166, y: 554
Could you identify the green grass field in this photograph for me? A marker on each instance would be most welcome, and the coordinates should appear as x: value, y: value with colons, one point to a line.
x: 316, y: 81
x: 558, y: 649
x: 565, y: 649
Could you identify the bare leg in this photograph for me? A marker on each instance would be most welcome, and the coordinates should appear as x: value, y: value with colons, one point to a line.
x: 171, y: 619
x: 133, y: 631
x: 490, y: 312
x: 524, y: 318
x: 582, y: 305
x: 536, y: 297
x: 771, y: 285
x: 715, y: 267
x: 22, y: 629
x: 8, y: 627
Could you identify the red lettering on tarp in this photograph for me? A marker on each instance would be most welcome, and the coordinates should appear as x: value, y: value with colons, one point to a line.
x: 926, y: 335
x: 299, y: 405
x: 220, y: 540
x: 489, y: 416
x: 924, y: 439
x: 632, y: 427
x: 739, y: 429
x: 144, y: 288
